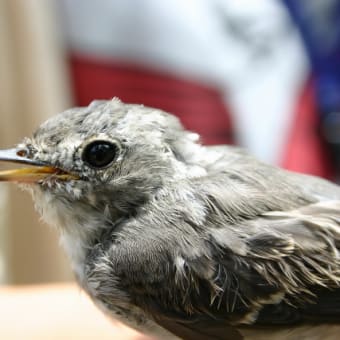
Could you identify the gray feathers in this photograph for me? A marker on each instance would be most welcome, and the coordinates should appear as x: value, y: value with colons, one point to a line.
x: 192, y: 238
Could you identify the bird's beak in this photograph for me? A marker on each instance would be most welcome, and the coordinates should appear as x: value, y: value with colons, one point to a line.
x: 39, y: 170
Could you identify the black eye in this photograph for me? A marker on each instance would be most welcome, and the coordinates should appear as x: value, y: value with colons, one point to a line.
x: 100, y: 154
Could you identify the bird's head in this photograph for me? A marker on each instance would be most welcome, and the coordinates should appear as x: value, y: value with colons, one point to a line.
x: 109, y: 157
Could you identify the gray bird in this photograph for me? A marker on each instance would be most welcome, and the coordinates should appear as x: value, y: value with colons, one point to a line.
x: 178, y: 239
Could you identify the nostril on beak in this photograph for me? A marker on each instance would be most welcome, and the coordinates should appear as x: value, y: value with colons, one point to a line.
x: 22, y: 152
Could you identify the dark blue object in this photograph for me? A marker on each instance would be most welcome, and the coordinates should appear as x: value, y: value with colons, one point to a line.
x: 319, y: 25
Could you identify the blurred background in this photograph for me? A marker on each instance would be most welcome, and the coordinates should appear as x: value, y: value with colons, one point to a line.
x: 263, y: 74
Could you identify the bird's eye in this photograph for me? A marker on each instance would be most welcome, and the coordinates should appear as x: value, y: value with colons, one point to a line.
x: 100, y: 154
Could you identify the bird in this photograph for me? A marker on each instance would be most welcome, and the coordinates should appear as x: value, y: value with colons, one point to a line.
x: 177, y: 239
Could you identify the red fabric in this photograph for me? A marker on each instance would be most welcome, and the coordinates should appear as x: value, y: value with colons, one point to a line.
x: 305, y: 151
x: 200, y: 107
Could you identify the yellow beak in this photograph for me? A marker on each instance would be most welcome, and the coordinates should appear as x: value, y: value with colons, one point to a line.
x: 39, y: 171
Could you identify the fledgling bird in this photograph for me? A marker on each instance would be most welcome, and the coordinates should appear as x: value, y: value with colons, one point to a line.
x: 177, y: 239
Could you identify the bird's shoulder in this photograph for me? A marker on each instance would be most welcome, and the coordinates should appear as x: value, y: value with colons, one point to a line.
x: 280, y: 268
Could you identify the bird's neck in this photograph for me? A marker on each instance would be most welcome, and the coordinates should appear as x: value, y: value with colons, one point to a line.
x: 79, y: 226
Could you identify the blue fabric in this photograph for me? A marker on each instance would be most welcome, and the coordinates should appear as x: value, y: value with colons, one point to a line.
x: 319, y: 25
